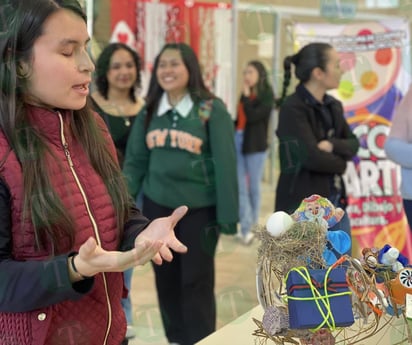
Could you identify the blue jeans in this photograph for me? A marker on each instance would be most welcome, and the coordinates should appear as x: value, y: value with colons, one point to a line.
x: 126, y: 302
x: 249, y: 173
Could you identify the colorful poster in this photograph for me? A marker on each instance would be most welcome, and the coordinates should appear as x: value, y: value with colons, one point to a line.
x: 375, y: 78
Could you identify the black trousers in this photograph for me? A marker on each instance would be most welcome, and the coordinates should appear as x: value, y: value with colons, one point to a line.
x: 185, y: 286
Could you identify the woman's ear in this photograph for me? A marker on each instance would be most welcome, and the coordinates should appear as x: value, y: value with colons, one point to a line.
x: 22, y: 70
x: 317, y: 73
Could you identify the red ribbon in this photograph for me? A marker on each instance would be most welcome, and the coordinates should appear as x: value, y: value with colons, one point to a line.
x: 330, y: 286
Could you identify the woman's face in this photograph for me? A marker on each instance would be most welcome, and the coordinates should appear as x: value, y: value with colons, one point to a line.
x: 61, y: 69
x: 333, y: 72
x: 250, y: 76
x: 172, y: 74
x: 122, y: 73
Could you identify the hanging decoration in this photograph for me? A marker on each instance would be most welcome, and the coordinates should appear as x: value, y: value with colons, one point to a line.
x: 194, y: 23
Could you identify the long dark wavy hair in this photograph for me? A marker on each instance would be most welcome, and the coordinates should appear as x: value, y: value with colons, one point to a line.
x: 263, y: 87
x: 103, y: 65
x: 196, y: 86
x: 305, y: 60
x: 23, y: 26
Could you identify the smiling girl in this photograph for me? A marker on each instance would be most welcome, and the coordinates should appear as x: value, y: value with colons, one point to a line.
x: 181, y: 150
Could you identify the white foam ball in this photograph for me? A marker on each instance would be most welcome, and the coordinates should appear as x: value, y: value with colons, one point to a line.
x: 278, y: 223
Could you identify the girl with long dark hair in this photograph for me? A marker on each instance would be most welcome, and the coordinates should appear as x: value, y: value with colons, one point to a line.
x: 68, y: 227
x: 252, y: 122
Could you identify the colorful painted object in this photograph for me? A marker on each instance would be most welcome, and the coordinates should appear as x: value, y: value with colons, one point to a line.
x: 316, y: 208
x: 319, y: 209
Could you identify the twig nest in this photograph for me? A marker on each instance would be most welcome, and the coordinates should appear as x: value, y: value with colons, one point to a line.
x: 306, y: 230
x: 301, y: 244
x: 278, y: 223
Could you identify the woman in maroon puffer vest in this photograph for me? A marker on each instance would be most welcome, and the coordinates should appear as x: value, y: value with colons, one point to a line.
x: 67, y: 225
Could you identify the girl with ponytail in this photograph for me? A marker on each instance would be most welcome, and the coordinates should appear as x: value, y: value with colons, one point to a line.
x: 315, y: 141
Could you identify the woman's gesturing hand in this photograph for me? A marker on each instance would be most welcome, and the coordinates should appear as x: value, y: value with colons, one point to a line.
x: 153, y: 243
x: 162, y: 229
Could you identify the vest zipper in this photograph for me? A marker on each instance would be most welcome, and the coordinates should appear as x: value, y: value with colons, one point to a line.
x: 93, y: 221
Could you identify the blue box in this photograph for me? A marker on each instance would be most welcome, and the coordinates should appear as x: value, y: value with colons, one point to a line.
x: 305, y: 314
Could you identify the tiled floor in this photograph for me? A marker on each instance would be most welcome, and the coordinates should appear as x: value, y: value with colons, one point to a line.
x: 235, y: 284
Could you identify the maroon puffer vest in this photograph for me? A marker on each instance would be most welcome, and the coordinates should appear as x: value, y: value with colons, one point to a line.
x: 97, y: 318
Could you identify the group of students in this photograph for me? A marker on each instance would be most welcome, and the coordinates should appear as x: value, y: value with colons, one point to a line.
x: 71, y: 171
